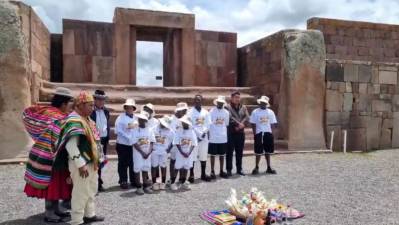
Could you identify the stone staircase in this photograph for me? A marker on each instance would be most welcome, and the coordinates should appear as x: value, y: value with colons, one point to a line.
x: 164, y: 99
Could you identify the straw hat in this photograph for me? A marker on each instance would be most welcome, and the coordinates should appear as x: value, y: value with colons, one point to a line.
x: 143, y: 115
x: 221, y: 99
x: 165, y: 121
x: 150, y: 106
x: 186, y: 120
x: 130, y: 102
x: 264, y: 99
x: 63, y: 92
x: 181, y: 106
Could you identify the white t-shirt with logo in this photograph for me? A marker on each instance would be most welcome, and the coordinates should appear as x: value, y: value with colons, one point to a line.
x: 263, y: 119
x: 186, y: 139
x: 218, y: 128
x: 143, y: 137
x: 200, y: 120
x: 163, y: 139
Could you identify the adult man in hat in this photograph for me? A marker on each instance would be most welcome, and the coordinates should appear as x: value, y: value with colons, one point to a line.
x: 124, y: 129
x: 80, y: 144
x: 236, y: 135
x: 262, y: 120
x: 100, y: 116
x: 44, y: 179
x: 201, y: 122
x: 175, y: 125
x: 219, y: 117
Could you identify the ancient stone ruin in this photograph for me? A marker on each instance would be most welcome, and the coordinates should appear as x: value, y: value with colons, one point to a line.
x: 335, y: 76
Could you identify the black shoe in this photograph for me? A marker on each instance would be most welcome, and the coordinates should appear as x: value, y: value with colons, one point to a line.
x: 255, y: 171
x: 66, y: 204
x: 124, y: 186
x: 271, y: 171
x: 63, y: 214
x: 53, y: 220
x: 213, y: 176
x: 206, y: 178
x: 241, y: 173
x: 100, y: 188
x: 93, y: 219
x: 223, y: 175
x: 229, y: 174
x: 191, y: 180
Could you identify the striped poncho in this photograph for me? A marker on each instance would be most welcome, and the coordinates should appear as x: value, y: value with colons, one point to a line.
x: 43, y: 123
x: 89, y: 146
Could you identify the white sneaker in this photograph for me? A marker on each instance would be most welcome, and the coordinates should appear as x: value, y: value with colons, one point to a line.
x: 155, y: 187
x: 174, y: 187
x: 186, y: 186
x: 162, y: 186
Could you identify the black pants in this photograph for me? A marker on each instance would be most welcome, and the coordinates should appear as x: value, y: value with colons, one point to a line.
x: 104, y: 143
x: 125, y: 163
x: 235, y: 143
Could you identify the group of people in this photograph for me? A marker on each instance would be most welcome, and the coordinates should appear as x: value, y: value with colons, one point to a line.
x: 70, y: 147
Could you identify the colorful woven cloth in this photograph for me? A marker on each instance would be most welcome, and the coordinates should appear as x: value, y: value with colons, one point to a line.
x: 43, y: 124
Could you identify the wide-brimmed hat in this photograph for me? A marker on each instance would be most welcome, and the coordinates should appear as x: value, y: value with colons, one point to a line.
x: 221, y: 99
x: 130, y: 102
x: 143, y: 115
x: 263, y: 99
x: 165, y: 121
x: 150, y: 106
x: 63, y: 92
x: 186, y: 120
x: 83, y: 97
x: 100, y: 94
x: 181, y: 106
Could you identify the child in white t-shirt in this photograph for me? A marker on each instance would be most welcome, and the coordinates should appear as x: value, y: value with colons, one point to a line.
x: 185, y: 141
x: 163, y: 143
x: 143, y: 141
x: 262, y: 120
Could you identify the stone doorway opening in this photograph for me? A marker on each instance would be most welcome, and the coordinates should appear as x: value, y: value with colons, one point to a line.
x: 150, y: 63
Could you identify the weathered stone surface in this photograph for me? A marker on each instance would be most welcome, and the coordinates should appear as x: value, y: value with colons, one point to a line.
x: 304, y: 83
x: 365, y: 73
x: 395, y: 131
x: 373, y: 133
x: 359, y: 121
x: 335, y: 72
x: 362, y: 88
x: 15, y: 75
x: 334, y: 100
x: 385, y: 140
x: 351, y: 72
x: 381, y: 105
x: 356, y: 139
x: 388, y: 77
x: 348, y: 87
x: 365, y: 103
x: 348, y: 102
x: 373, y: 89
x: 395, y: 103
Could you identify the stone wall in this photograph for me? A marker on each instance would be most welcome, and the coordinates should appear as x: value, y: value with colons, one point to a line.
x: 362, y: 98
x: 352, y: 40
x: 260, y: 66
x: 87, y: 50
x: 215, y: 58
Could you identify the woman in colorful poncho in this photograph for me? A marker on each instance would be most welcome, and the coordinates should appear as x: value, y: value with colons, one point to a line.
x: 42, y: 180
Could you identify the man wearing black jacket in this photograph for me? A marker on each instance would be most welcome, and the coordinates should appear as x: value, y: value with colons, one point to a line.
x: 236, y: 135
x: 101, y: 116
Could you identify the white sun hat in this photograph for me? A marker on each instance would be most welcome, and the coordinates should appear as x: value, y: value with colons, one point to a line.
x: 165, y: 121
x: 143, y: 115
x: 150, y: 106
x: 221, y: 99
x: 181, y: 106
x: 264, y: 99
x: 130, y: 102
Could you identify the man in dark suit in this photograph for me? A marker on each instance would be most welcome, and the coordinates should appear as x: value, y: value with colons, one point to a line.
x: 101, y: 116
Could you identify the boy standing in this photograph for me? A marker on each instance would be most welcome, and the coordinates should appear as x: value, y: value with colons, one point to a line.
x: 143, y: 141
x: 262, y: 120
x: 218, y: 134
x: 185, y: 141
x: 163, y: 143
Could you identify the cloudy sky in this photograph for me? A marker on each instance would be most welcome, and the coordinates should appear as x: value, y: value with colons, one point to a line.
x: 250, y: 19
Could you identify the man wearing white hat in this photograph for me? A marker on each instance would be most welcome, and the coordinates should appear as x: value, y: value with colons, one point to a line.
x: 175, y: 125
x: 201, y: 122
x: 262, y: 120
x: 143, y: 141
x: 162, y: 146
x: 218, y: 134
x: 185, y: 141
x: 124, y: 126
x: 152, y: 121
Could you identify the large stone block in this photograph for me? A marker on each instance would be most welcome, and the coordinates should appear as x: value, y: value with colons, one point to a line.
x: 334, y: 100
x: 373, y: 133
x: 388, y: 77
x: 395, y: 103
x: 385, y: 139
x: 351, y: 72
x: 362, y: 88
x: 356, y: 139
x: 365, y: 103
x: 381, y: 105
x: 335, y: 72
x: 103, y: 70
x: 348, y: 102
x: 395, y: 130
x: 359, y: 121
